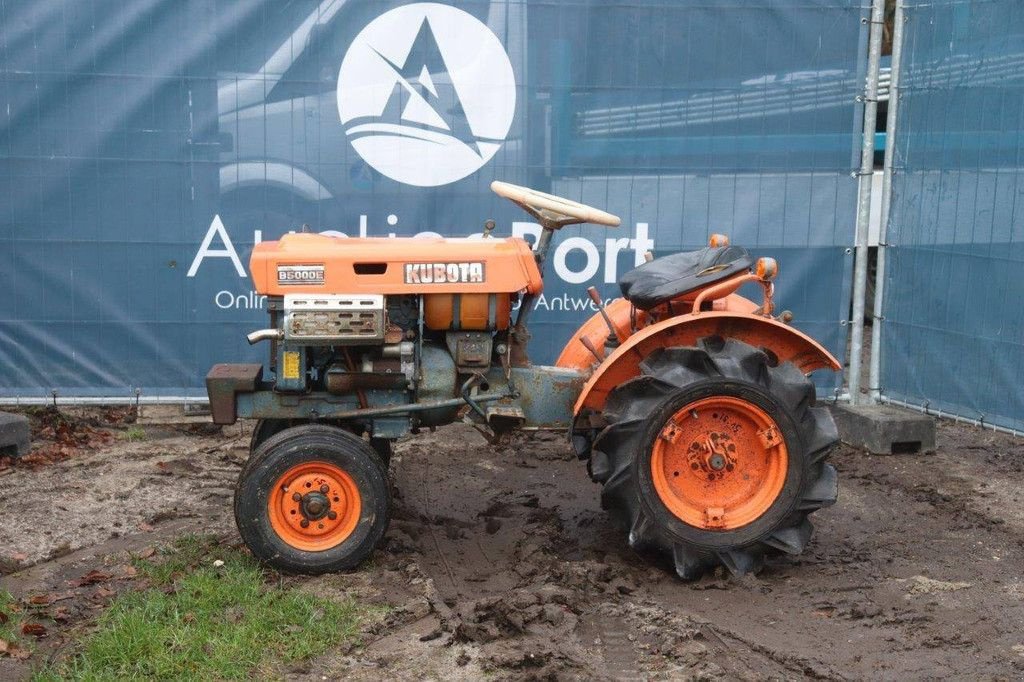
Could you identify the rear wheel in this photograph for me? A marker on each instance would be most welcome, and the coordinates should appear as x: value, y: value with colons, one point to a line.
x: 313, y: 499
x: 714, y: 455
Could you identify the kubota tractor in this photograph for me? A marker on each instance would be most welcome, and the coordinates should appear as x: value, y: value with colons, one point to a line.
x: 690, y: 404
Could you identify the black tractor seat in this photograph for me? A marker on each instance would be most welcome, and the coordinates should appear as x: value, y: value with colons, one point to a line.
x: 664, y: 279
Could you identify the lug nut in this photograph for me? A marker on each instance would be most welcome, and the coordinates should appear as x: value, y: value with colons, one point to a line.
x: 296, y: 497
x: 324, y: 488
x: 332, y: 515
x: 304, y: 523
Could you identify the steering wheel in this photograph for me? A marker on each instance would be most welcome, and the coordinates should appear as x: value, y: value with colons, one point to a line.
x: 553, y: 212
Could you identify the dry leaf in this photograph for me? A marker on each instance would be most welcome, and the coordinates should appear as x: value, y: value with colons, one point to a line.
x: 147, y: 552
x: 61, y: 615
x: 103, y: 593
x: 19, y: 556
x: 145, y: 527
x: 49, y: 598
x: 129, y: 572
x: 37, y: 630
x: 4, y: 617
x: 91, y: 578
x: 13, y: 650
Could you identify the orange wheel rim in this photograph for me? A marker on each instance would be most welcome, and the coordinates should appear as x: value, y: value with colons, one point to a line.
x: 719, y: 463
x: 314, y: 506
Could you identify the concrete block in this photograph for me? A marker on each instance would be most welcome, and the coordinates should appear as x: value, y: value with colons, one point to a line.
x: 885, y: 430
x: 14, y: 435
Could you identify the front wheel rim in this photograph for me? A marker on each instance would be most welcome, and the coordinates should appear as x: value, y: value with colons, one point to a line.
x: 719, y: 463
x: 314, y: 506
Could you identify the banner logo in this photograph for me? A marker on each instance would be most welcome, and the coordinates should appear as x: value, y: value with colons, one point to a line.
x: 427, y: 94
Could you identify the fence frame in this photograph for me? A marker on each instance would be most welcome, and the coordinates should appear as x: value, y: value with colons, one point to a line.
x: 867, y: 164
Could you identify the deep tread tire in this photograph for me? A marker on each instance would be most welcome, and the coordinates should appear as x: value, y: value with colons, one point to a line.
x: 671, y: 378
x: 305, y: 443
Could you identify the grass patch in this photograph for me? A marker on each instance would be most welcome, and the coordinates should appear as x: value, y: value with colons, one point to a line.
x: 186, y: 554
x: 10, y: 618
x: 133, y: 434
x: 198, y: 621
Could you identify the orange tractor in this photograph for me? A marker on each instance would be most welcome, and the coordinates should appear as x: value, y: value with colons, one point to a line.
x: 690, y: 404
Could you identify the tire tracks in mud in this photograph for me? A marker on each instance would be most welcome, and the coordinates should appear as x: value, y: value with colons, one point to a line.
x: 844, y: 609
x: 609, y: 635
x: 514, y: 563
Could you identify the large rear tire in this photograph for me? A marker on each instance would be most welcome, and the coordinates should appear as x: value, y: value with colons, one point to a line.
x: 715, y: 455
x: 313, y: 499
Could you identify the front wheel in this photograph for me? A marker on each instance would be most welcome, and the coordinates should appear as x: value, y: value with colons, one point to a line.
x: 715, y: 455
x: 313, y: 499
x: 265, y: 428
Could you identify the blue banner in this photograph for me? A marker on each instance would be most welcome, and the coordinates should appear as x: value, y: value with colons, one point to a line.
x: 145, y: 147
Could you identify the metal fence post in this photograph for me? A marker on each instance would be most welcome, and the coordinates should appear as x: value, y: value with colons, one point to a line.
x: 867, y: 162
x: 875, y: 371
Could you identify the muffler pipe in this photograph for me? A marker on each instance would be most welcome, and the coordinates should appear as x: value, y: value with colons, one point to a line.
x: 265, y: 335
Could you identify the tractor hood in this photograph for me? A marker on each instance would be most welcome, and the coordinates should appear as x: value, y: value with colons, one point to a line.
x: 313, y: 263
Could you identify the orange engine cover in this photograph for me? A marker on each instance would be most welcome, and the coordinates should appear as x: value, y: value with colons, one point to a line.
x: 312, y: 263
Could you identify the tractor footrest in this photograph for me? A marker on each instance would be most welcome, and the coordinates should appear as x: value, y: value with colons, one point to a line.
x: 224, y: 382
x: 504, y: 417
x: 14, y: 435
x: 884, y: 430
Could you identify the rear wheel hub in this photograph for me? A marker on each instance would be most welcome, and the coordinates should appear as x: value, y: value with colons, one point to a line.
x: 719, y: 463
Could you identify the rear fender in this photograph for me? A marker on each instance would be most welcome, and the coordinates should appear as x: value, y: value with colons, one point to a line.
x: 576, y: 356
x: 788, y: 345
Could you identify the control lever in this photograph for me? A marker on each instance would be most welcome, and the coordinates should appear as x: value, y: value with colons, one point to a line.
x: 613, y: 336
x: 590, y: 346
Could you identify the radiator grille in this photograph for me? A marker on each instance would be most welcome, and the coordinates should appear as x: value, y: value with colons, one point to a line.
x: 334, y: 319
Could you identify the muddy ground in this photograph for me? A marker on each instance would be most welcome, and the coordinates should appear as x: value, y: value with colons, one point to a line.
x: 499, y: 562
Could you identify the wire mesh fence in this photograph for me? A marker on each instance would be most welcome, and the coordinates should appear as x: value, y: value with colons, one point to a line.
x: 952, y: 333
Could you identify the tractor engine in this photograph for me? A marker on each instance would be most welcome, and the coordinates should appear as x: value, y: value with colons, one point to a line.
x: 342, y: 343
x: 373, y: 324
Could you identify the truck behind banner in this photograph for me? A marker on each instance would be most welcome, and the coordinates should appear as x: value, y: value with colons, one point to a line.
x: 145, y: 147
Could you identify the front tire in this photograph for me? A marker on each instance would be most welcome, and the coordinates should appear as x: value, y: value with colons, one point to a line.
x: 715, y: 456
x: 313, y: 499
x: 265, y: 428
